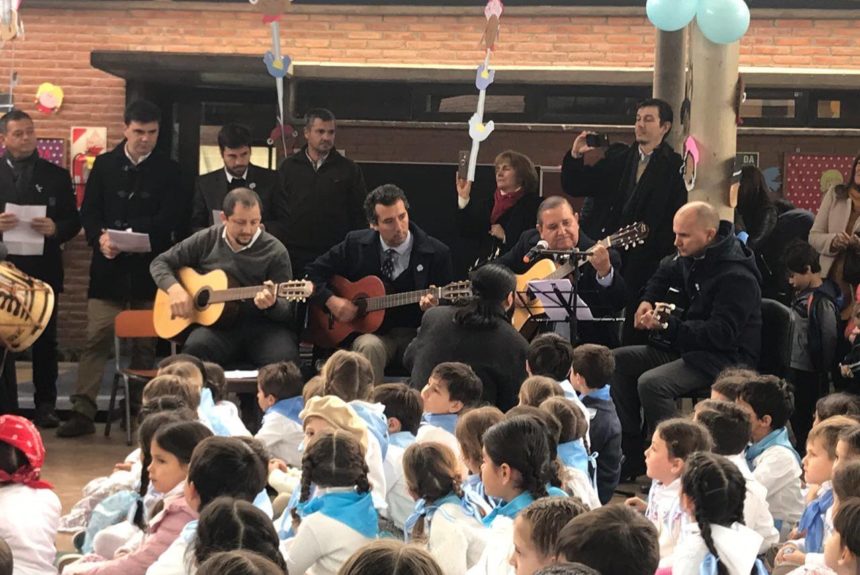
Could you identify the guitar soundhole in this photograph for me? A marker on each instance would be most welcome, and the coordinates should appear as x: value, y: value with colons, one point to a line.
x: 201, y: 299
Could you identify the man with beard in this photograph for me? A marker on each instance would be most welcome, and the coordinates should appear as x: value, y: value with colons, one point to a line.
x: 234, y: 141
x: 250, y: 256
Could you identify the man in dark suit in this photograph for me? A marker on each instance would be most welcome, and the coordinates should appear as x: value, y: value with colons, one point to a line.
x: 28, y: 180
x: 641, y: 182
x: 316, y: 179
x: 234, y: 141
x: 600, y: 286
x: 397, y: 251
x: 136, y: 187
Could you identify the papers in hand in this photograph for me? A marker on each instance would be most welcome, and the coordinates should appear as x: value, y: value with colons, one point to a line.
x: 547, y: 291
x: 23, y: 240
x: 241, y: 374
x: 132, y: 242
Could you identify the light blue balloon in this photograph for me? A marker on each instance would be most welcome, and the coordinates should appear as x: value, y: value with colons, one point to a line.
x: 671, y: 15
x: 723, y: 21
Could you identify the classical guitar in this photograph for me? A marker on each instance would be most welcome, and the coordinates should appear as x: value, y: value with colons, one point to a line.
x: 546, y: 269
x: 211, y: 294
x: 368, y: 294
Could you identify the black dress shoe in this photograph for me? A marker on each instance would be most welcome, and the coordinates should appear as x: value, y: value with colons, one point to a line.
x: 77, y: 425
x: 46, y: 417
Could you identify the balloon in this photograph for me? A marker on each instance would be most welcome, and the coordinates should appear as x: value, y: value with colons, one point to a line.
x: 671, y: 15
x: 723, y: 21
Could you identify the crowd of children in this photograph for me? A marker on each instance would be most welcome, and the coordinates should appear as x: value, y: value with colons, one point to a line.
x: 347, y: 477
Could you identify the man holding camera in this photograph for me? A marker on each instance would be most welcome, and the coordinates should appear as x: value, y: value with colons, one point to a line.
x: 641, y: 182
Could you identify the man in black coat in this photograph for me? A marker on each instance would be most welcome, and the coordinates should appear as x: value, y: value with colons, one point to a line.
x: 28, y: 180
x: 600, y: 286
x: 402, y: 255
x: 234, y: 141
x: 325, y: 193
x: 641, y: 182
x: 714, y: 283
x: 131, y: 187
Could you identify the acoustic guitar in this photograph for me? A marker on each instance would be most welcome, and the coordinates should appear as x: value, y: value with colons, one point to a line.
x: 210, y: 294
x: 368, y: 294
x: 546, y: 269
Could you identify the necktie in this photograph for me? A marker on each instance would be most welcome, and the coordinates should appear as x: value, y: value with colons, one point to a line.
x: 388, y: 264
x: 238, y: 183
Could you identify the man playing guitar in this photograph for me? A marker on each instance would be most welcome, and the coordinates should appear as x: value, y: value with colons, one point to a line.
x: 250, y: 256
x: 397, y: 251
x: 600, y: 286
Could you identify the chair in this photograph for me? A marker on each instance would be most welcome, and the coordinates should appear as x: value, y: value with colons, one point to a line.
x: 129, y: 324
x: 777, y: 333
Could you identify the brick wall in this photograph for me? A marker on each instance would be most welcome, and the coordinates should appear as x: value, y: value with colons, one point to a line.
x: 59, y: 41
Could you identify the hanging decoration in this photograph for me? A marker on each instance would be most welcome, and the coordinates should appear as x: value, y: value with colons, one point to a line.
x: 721, y: 21
x: 478, y: 130
x: 277, y: 64
x: 11, y: 25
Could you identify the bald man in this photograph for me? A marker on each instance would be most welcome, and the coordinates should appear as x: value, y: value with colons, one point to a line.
x: 714, y: 283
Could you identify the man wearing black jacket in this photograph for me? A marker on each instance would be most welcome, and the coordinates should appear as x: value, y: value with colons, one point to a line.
x: 325, y: 193
x: 636, y: 183
x: 600, y: 286
x: 28, y: 180
x: 398, y: 252
x: 131, y: 187
x: 234, y: 141
x: 714, y: 282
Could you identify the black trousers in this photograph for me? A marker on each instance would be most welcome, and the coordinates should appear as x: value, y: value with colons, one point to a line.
x: 253, y: 341
x: 648, y: 381
x: 809, y: 386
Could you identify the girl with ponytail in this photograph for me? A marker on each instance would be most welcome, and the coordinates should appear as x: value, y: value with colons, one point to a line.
x: 442, y: 519
x: 716, y: 541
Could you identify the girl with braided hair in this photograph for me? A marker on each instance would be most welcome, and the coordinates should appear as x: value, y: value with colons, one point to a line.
x: 718, y: 543
x: 517, y: 469
x: 450, y: 526
x: 340, y: 518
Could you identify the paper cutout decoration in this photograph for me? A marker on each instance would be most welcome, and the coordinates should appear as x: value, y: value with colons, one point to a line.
x: 11, y: 25
x: 282, y: 132
x: 808, y: 176
x: 277, y: 64
x: 691, y: 163
x: 85, y: 145
x: 484, y: 77
x: 49, y: 98
x: 51, y: 149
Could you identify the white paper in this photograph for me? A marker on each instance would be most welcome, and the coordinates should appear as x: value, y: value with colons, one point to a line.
x: 241, y: 374
x: 132, y: 242
x: 216, y: 217
x: 555, y: 309
x: 23, y: 240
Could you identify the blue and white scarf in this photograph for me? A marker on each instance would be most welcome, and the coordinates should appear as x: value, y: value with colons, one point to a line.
x: 377, y: 425
x: 353, y: 509
x: 777, y: 437
x: 447, y: 421
x: 427, y: 511
x: 812, y: 521
x: 289, y: 408
x: 510, y: 509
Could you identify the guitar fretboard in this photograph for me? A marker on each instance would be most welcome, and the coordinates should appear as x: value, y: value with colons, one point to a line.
x: 234, y: 294
x: 396, y: 299
x: 567, y: 269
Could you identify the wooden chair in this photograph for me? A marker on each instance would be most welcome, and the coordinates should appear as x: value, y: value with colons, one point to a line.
x: 129, y: 324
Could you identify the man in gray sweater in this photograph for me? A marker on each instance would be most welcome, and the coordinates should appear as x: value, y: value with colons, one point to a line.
x: 250, y: 256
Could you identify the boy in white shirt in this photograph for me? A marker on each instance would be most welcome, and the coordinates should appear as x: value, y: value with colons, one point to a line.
x: 403, y: 407
x: 451, y: 388
x: 730, y: 430
x: 279, y: 394
x: 771, y: 457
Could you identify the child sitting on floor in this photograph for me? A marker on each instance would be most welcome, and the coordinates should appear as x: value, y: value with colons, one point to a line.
x: 279, y: 395
x: 451, y: 388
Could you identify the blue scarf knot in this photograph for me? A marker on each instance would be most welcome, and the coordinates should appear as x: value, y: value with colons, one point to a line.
x: 427, y: 510
x: 401, y: 439
x: 353, y: 509
x: 812, y: 521
x: 774, y: 438
x: 447, y: 421
x: 573, y: 454
x: 510, y: 509
x: 709, y: 566
x: 289, y: 408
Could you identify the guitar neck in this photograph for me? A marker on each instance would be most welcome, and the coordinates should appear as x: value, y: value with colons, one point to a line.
x: 567, y: 269
x: 235, y: 294
x: 397, y: 299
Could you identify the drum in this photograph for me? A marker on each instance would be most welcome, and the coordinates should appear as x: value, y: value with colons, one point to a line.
x: 26, y: 304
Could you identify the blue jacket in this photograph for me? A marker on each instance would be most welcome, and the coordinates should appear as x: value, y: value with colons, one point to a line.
x: 605, y: 436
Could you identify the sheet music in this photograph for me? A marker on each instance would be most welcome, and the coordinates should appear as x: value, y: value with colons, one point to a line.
x: 555, y: 309
x: 23, y: 240
x: 132, y: 242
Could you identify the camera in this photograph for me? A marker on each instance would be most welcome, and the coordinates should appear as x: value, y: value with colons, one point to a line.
x: 597, y: 140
